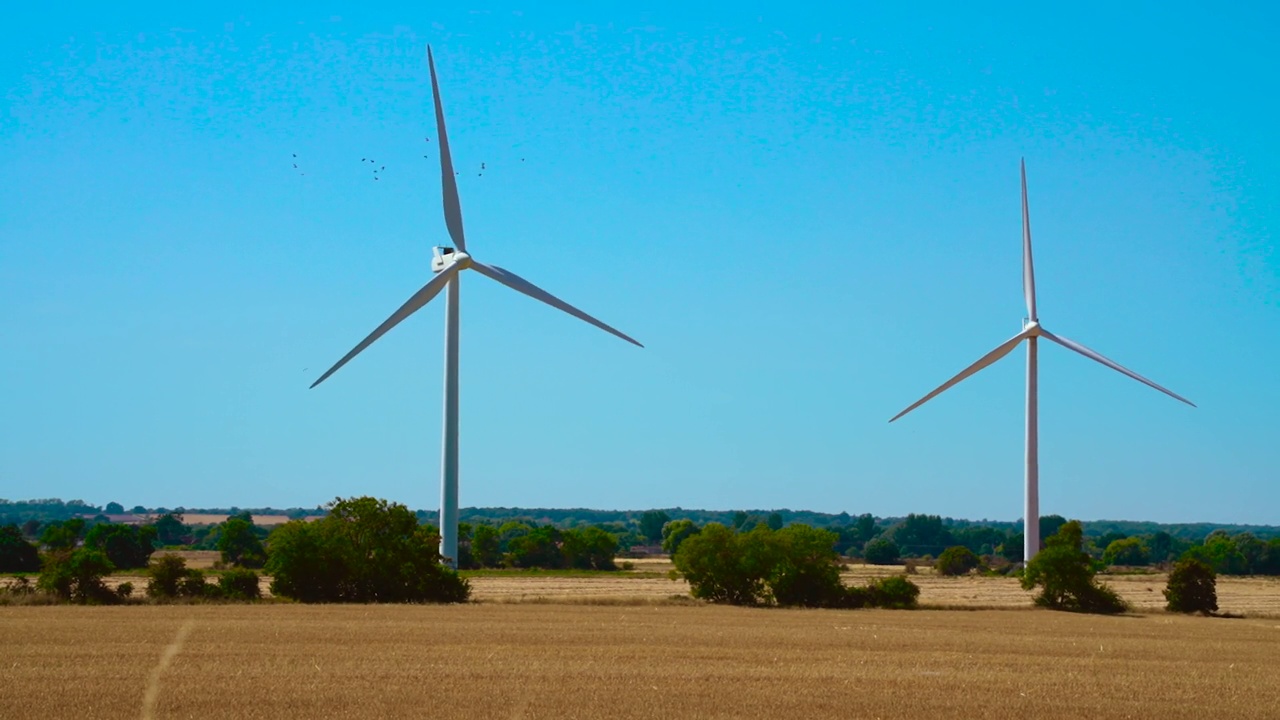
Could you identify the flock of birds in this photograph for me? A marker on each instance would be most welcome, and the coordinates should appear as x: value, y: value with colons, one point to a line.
x: 380, y: 168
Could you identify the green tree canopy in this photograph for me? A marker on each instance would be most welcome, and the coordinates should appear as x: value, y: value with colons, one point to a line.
x: 1064, y: 573
x: 16, y: 554
x: 239, y: 544
x: 881, y: 551
x: 127, y: 546
x: 1129, y: 551
x: 676, y: 532
x: 651, y: 523
x: 1192, y: 587
x: 956, y: 560
x: 364, y: 550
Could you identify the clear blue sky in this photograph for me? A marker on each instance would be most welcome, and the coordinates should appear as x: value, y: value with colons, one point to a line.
x: 810, y: 219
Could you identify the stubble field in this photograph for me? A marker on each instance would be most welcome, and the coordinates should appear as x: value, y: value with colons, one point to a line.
x: 552, y: 660
x: 633, y: 645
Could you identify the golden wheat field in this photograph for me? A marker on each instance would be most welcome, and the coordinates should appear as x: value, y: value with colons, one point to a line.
x: 554, y: 660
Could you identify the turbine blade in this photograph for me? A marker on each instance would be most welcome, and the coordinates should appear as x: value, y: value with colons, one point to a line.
x: 448, y: 182
x: 420, y: 298
x: 1028, y: 271
x: 515, y: 282
x: 1072, y: 345
x: 982, y: 362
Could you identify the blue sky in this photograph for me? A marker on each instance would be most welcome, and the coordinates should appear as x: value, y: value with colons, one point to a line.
x: 809, y: 218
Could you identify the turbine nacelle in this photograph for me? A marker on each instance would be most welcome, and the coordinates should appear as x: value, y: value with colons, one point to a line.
x: 445, y: 257
x: 1031, y: 328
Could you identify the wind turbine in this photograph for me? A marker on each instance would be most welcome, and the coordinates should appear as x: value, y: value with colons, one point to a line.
x: 448, y: 264
x: 1031, y: 332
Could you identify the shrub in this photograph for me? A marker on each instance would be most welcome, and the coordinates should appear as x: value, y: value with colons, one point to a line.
x: 958, y: 560
x: 240, y: 584
x: 124, y: 590
x: 1064, y: 572
x: 166, y: 572
x: 171, y: 578
x: 364, y: 550
x: 805, y: 567
x: 896, y: 593
x: 880, y: 551
x: 721, y: 567
x: 77, y: 576
x: 194, y: 585
x: 1192, y: 588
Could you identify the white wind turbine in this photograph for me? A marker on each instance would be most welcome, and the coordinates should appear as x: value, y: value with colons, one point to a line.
x: 1031, y: 331
x: 448, y: 264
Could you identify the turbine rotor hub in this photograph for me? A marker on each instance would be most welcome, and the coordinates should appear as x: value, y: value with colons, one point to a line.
x: 443, y: 257
x: 1032, y: 327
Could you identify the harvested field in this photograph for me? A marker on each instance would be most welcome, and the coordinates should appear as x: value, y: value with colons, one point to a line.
x: 582, y: 661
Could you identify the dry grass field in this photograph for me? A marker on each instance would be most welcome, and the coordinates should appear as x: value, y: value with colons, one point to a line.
x: 498, y: 660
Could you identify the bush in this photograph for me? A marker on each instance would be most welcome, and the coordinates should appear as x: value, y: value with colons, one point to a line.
x: 1192, y: 588
x: 124, y: 590
x: 16, y: 554
x: 171, y: 578
x: 794, y: 566
x: 364, y: 550
x: 723, y: 566
x: 77, y: 576
x: 1064, y: 572
x: 240, y: 584
x: 880, y: 551
x: 896, y: 593
x: 958, y: 560
x: 805, y: 570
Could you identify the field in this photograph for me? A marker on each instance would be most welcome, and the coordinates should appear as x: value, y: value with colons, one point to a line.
x: 555, y: 660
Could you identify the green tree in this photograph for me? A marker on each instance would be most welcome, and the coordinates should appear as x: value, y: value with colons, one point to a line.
x: 956, y: 560
x: 806, y: 568
x: 589, y: 548
x: 114, y: 508
x: 1219, y: 552
x: 1129, y: 551
x: 170, y: 530
x: 16, y: 554
x: 171, y: 578
x: 364, y: 550
x: 651, y: 523
x: 775, y: 521
x: 1192, y: 588
x: 676, y: 532
x: 538, y: 548
x: 240, y: 545
x: 127, y: 546
x: 485, y: 547
x: 723, y: 566
x: 880, y: 551
x: 76, y: 575
x: 919, y: 535
x: 1064, y: 573
x: 62, y: 534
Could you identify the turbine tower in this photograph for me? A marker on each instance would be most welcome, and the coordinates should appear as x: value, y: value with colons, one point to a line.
x: 1032, y: 331
x: 448, y: 264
